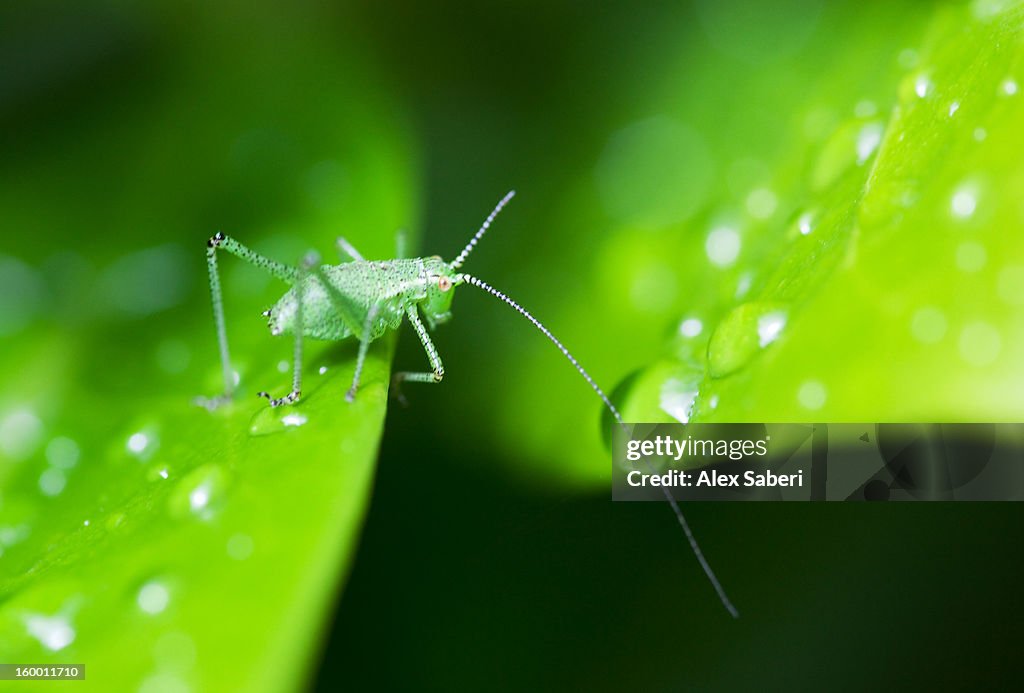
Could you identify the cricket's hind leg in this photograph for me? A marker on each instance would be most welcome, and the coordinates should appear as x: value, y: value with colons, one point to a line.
x: 436, y: 375
x: 310, y: 261
x: 277, y: 269
x: 364, y: 345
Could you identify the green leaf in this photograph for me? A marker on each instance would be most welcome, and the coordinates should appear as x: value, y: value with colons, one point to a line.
x: 846, y: 252
x: 164, y: 546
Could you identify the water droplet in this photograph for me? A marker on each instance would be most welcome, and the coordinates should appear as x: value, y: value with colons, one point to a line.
x: 240, y: 546
x: 62, y: 453
x: 142, y: 444
x: 713, y: 402
x: 761, y: 203
x: 235, y: 377
x: 20, y: 433
x: 153, y: 597
x: 743, y: 285
x: 294, y: 419
x: 53, y: 632
x: 769, y: 326
x: 270, y: 420
x: 1009, y: 87
x: 741, y: 334
x: 804, y: 223
x: 980, y: 134
x: 323, y: 369
x: 868, y: 139
x: 723, y: 246
x: 137, y: 442
x: 163, y: 473
x: 964, y: 202
x: 52, y: 482
x: 980, y: 343
x: 865, y: 109
x: 282, y: 366
x: 86, y: 523
x: 923, y: 86
x: 953, y: 108
x: 811, y: 395
x: 200, y: 493
x: 928, y: 325
x: 677, y: 397
x: 1010, y: 284
x: 690, y: 327
x: 970, y: 256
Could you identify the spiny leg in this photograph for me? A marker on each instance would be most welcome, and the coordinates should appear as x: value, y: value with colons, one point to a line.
x: 308, y: 262
x: 346, y: 248
x: 432, y: 355
x: 364, y: 344
x: 277, y: 269
x: 362, y: 330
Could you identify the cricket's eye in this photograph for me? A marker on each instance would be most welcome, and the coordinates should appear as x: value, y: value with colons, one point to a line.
x: 444, y: 283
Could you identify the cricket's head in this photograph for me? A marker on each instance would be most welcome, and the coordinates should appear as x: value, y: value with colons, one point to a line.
x: 443, y: 276
x: 441, y: 282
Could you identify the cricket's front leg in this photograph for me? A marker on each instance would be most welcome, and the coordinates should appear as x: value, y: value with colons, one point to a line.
x: 311, y: 260
x: 221, y: 241
x: 435, y: 359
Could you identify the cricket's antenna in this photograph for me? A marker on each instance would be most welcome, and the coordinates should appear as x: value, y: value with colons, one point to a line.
x: 694, y: 546
x: 547, y: 333
x: 457, y: 262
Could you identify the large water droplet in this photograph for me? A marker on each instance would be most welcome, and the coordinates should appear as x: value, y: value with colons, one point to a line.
x: 53, y: 632
x: 868, y: 139
x: 199, y: 493
x: 677, y: 397
x: 742, y: 333
x: 269, y: 420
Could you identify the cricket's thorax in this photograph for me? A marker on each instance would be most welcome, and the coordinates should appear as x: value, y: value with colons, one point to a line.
x: 392, y: 285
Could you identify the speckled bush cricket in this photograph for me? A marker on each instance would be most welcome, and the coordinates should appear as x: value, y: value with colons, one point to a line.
x: 364, y: 299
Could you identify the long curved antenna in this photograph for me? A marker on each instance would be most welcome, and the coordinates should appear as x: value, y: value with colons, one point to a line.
x: 692, y: 540
x: 457, y: 262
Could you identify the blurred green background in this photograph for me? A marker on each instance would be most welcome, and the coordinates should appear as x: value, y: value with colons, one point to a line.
x: 792, y: 211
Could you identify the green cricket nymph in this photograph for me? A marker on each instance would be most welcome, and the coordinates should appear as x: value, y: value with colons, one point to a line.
x: 364, y: 299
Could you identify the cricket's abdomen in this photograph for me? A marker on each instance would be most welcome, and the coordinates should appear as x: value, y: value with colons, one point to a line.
x: 354, y: 288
